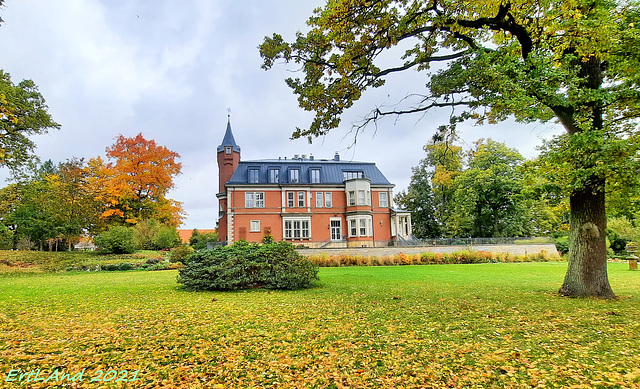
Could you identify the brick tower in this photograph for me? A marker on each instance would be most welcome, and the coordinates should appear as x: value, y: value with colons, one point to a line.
x: 228, y: 160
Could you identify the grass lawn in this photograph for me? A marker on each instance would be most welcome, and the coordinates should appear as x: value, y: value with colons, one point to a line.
x: 459, y: 326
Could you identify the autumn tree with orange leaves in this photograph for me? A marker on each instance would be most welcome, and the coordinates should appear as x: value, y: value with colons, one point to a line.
x: 136, y: 180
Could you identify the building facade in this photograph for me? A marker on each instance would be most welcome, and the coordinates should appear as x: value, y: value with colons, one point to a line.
x: 307, y: 201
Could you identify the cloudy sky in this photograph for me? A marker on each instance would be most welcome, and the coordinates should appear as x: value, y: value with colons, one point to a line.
x: 170, y: 70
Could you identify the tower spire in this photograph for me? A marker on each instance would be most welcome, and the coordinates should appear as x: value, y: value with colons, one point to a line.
x: 229, y: 140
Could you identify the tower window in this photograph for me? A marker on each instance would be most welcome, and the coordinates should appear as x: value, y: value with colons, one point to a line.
x: 227, y: 149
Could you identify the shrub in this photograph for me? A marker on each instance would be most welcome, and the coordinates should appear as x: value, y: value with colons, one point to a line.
x: 166, y: 238
x: 180, y: 253
x: 199, y: 240
x: 152, y: 235
x: 144, y: 233
x: 248, y: 265
x: 562, y: 244
x: 6, y: 238
x: 117, y: 240
x: 428, y: 258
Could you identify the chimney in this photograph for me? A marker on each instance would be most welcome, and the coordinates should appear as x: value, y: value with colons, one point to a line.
x: 310, y: 157
x: 336, y: 157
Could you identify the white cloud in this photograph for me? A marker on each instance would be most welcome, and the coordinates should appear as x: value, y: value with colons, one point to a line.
x: 170, y: 69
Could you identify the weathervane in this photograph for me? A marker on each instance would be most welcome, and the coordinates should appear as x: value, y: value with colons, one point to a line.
x: 229, y: 113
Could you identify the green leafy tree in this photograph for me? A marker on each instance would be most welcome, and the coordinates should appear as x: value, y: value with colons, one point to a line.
x: 6, y: 238
x: 23, y: 113
x: 78, y: 208
x: 621, y: 231
x: 51, y: 204
x: 486, y: 201
x: 445, y: 159
x: 36, y: 215
x: 419, y: 200
x: 574, y: 62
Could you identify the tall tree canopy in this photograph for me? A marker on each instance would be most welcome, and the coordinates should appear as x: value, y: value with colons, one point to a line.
x: 573, y: 61
x: 486, y: 200
x: 485, y: 192
x: 136, y: 182
x: 23, y: 112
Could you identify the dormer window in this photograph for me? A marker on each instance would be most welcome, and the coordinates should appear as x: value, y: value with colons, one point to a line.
x: 274, y: 176
x: 315, y: 176
x: 227, y: 149
x: 351, y: 175
x: 294, y: 176
x: 254, y: 176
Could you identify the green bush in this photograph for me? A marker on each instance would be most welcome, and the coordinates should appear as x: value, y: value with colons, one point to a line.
x: 180, y: 253
x: 166, y: 238
x: 6, y: 238
x: 199, y: 240
x: 117, y: 240
x: 248, y: 265
x: 150, y: 234
x: 562, y: 244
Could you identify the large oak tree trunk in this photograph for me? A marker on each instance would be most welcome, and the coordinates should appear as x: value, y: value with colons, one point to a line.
x: 587, y: 271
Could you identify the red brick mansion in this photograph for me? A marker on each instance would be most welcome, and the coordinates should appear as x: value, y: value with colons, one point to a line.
x: 304, y: 200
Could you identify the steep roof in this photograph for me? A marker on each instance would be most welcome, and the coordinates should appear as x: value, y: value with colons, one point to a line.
x: 331, y: 171
x: 228, y: 139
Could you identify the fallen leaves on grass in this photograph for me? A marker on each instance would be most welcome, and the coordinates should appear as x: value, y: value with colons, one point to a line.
x: 335, y: 336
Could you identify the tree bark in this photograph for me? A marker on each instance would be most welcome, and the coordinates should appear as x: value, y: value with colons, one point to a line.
x: 587, y: 271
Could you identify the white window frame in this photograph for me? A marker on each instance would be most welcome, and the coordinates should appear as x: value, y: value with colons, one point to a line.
x: 296, y: 228
x: 254, y: 226
x: 360, y: 226
x: 254, y: 199
x: 315, y: 176
x: 249, y: 199
x: 328, y: 199
x: 274, y: 176
x: 350, y: 175
x: 301, y: 199
x: 335, y: 225
x: 362, y: 200
x: 352, y: 198
x: 383, y: 199
x: 291, y: 199
x: 294, y: 176
x: 254, y: 176
x: 319, y: 200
